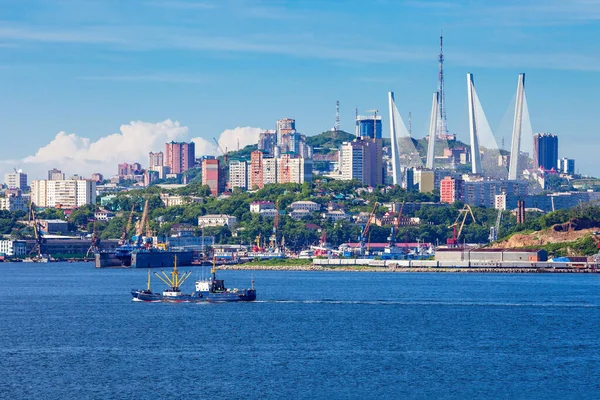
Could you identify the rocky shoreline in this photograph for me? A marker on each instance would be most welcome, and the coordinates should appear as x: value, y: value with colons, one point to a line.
x: 496, y: 270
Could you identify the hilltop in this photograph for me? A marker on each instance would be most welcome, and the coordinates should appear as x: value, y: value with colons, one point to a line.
x: 325, y: 141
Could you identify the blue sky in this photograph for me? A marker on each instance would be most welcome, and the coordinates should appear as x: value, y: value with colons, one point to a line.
x: 88, y: 67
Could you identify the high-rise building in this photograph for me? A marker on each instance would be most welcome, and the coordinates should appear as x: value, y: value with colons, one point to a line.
x: 156, y: 159
x: 255, y: 178
x: 238, y: 174
x: 369, y: 126
x: 162, y: 170
x: 14, y: 202
x: 97, y: 177
x: 180, y: 156
x: 483, y: 193
x: 55, y: 175
x: 545, y: 151
x: 362, y: 160
x: 352, y: 160
x: 263, y: 170
x: 294, y: 169
x: 369, y: 131
x: 16, y: 180
x: 150, y: 176
x: 129, y: 170
x: 566, y: 166
x: 424, y: 179
x: 211, y: 175
x: 123, y: 169
x: 69, y: 193
x: 450, y: 190
x: 269, y: 170
x: 285, y: 126
x: 266, y: 141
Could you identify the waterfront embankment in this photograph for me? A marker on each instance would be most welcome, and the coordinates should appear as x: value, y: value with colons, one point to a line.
x: 496, y: 270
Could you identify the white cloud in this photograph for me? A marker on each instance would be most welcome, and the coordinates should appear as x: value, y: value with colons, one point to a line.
x: 74, y: 154
x: 228, y: 140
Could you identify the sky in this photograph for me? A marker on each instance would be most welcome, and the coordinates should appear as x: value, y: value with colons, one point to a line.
x: 85, y: 85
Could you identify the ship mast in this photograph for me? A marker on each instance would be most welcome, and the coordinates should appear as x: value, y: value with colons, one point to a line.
x: 175, y: 280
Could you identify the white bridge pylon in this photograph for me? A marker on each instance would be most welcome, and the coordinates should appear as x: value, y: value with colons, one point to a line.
x: 483, y: 141
x: 404, y: 152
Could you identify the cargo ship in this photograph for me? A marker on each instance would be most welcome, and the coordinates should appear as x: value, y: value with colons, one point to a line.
x: 139, y: 252
x: 141, y: 257
x: 207, y: 290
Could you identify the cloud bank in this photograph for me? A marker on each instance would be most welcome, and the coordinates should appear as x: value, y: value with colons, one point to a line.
x: 228, y: 140
x: 75, y: 154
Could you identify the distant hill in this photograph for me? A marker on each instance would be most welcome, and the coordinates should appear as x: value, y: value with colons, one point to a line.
x: 243, y: 154
x: 323, y: 142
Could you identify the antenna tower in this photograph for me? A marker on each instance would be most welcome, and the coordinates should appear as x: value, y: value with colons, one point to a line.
x: 409, y: 124
x: 442, y: 130
x: 337, y: 115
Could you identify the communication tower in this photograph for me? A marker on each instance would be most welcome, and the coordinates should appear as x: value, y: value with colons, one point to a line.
x: 442, y: 126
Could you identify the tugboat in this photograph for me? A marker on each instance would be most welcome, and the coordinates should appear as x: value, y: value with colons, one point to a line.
x: 209, y: 290
x: 214, y: 290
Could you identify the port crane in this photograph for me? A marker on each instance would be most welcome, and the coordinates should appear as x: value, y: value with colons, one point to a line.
x: 123, y: 240
x: 363, y: 235
x: 464, y: 212
x: 143, y: 225
x: 38, y: 247
x: 273, y: 238
x: 395, y: 227
x: 95, y: 242
x: 256, y: 247
x: 494, y: 229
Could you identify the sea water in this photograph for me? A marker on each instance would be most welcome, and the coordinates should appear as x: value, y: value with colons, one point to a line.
x: 72, y: 331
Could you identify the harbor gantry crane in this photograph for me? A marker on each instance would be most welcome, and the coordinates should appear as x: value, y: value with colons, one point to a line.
x: 464, y: 212
x: 494, y: 229
x: 37, y: 248
x: 123, y: 240
x: 395, y: 227
x: 363, y: 235
x: 95, y: 242
x: 273, y: 238
x: 141, y: 227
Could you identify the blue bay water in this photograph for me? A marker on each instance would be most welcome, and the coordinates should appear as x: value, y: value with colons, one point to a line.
x: 72, y: 331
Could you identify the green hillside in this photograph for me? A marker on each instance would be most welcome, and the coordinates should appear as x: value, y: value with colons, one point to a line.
x: 323, y: 142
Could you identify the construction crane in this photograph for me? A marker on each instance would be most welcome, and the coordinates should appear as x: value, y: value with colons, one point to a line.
x: 494, y: 229
x: 363, y: 235
x: 221, y: 149
x: 127, y: 227
x: 464, y: 212
x: 394, y: 229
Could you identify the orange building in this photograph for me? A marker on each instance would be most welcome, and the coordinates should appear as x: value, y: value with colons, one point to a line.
x: 256, y: 170
x: 450, y: 190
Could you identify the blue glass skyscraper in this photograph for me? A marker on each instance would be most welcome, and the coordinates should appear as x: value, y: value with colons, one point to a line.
x: 369, y: 127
